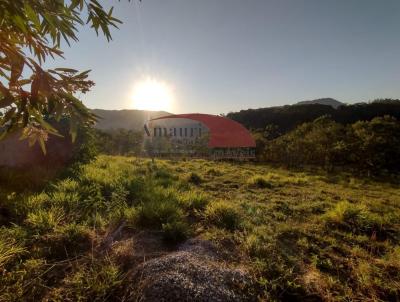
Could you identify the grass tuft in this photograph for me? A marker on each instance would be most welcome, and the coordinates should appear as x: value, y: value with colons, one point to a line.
x: 45, y: 220
x: 194, y: 178
x: 223, y: 214
x: 9, y: 250
x: 175, y: 231
x: 260, y: 181
x: 193, y: 200
x: 359, y: 220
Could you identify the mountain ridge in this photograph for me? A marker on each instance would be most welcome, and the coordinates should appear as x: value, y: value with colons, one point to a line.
x: 322, y: 101
x: 130, y: 119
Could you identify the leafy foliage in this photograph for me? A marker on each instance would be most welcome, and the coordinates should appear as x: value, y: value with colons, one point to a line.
x: 119, y: 142
x: 31, y: 32
x: 367, y: 146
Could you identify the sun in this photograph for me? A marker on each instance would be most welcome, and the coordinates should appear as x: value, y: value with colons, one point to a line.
x: 152, y: 94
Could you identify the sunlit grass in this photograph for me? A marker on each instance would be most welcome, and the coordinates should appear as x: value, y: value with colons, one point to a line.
x: 300, y: 234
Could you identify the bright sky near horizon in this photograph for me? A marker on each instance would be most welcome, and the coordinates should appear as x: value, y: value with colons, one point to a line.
x: 216, y: 56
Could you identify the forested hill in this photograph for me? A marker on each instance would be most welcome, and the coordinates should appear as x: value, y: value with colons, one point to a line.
x: 289, y: 116
x: 124, y: 119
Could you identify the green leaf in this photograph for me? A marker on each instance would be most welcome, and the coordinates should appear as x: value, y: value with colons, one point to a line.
x: 31, y: 14
x: 67, y: 70
x: 19, y: 21
x: 42, y: 145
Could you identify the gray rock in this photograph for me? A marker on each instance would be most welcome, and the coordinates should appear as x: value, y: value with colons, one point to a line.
x: 193, y: 273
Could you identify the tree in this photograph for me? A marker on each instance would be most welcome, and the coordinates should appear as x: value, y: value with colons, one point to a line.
x: 376, y: 144
x: 321, y: 142
x: 288, y: 117
x: 119, y: 142
x: 31, y: 31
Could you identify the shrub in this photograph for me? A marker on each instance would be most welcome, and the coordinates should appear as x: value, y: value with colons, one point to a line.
x: 260, y: 181
x: 223, y: 214
x: 194, y: 178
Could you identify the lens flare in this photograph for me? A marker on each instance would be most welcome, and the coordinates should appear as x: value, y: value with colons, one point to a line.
x: 152, y: 94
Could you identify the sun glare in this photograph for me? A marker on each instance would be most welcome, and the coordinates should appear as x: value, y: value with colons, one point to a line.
x: 152, y: 94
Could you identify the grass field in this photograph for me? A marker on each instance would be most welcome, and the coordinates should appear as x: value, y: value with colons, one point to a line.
x: 301, y: 235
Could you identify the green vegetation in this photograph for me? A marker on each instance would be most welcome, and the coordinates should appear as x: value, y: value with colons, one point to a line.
x: 259, y: 181
x: 286, y: 118
x: 223, y: 214
x: 302, y: 236
x: 31, y: 32
x: 368, y: 147
x: 119, y: 142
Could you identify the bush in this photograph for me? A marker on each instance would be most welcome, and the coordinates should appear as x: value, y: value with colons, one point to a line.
x: 223, y: 214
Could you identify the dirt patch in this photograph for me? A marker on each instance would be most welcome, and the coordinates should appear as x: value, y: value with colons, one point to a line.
x: 194, y: 272
x: 132, y: 249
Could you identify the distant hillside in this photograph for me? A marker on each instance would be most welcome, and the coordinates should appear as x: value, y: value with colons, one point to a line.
x: 325, y: 101
x: 289, y: 116
x: 125, y: 119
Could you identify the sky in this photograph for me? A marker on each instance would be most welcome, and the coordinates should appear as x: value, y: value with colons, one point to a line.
x: 217, y: 56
